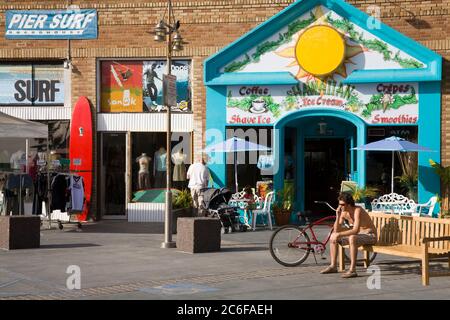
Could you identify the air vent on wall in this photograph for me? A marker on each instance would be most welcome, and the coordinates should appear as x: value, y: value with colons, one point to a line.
x: 376, y: 132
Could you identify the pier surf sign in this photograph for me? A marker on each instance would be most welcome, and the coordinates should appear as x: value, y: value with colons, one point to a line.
x: 51, y: 24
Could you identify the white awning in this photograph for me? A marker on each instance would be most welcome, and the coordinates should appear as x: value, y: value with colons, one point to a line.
x: 11, y: 127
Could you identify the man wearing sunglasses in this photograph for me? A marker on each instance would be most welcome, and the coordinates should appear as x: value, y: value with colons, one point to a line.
x: 362, y: 232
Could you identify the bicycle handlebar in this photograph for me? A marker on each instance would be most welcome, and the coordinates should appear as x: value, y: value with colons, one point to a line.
x: 326, y: 203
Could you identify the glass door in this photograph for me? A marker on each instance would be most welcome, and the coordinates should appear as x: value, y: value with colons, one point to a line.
x: 113, y: 171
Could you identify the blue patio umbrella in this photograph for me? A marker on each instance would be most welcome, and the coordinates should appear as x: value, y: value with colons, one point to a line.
x: 235, y: 145
x: 393, y: 144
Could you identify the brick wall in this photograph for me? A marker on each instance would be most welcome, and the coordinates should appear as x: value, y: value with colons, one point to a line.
x: 209, y: 26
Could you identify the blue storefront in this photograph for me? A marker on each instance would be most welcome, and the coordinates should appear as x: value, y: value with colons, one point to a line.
x: 324, y: 77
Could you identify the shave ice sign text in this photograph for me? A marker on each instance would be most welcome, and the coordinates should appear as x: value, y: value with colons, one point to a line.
x: 374, y: 103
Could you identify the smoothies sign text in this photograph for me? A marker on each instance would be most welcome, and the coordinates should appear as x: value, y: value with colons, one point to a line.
x: 382, y: 103
x: 69, y: 24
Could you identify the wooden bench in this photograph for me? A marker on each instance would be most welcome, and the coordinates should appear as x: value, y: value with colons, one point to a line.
x: 410, y: 237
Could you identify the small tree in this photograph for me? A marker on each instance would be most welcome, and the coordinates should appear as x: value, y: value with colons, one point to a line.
x: 444, y: 175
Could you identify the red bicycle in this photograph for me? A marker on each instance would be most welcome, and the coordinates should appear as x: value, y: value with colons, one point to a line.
x: 291, y: 245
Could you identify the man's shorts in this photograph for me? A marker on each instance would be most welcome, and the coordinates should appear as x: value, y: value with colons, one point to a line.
x: 361, y: 239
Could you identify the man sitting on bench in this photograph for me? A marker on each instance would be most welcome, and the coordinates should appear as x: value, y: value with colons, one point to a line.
x: 363, y: 232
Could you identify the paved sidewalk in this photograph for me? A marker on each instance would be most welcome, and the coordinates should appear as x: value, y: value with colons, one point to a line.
x: 119, y: 260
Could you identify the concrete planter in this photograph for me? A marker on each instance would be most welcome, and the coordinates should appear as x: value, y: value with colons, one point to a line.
x: 197, y: 235
x: 180, y: 213
x: 20, y: 232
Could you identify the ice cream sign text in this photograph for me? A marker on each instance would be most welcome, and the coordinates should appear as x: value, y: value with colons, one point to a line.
x: 70, y: 24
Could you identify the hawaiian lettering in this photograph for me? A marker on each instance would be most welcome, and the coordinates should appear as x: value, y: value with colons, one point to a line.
x: 316, y: 88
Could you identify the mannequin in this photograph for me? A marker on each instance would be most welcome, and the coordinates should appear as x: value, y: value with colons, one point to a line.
x: 16, y: 158
x: 160, y: 167
x: 144, y: 175
x: 179, y: 170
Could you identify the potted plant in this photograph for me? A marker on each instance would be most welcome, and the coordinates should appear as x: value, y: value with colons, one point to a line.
x: 181, y: 207
x: 363, y: 195
x: 409, y: 178
x: 282, y: 206
x: 444, y: 175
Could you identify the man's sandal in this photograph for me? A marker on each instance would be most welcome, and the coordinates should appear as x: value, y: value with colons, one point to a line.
x: 350, y: 274
x: 329, y: 269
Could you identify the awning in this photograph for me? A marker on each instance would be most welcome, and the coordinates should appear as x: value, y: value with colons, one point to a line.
x: 11, y: 127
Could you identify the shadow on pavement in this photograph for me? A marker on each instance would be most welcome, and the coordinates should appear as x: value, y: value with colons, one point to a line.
x: 123, y: 227
x: 68, y: 245
x: 242, y: 248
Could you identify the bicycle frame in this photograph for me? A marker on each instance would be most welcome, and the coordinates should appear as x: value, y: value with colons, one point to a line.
x: 315, y: 241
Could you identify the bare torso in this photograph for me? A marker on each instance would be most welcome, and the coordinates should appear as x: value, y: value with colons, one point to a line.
x: 365, y: 225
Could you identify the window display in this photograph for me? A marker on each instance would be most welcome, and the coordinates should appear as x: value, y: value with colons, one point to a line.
x: 149, y: 165
x: 136, y: 85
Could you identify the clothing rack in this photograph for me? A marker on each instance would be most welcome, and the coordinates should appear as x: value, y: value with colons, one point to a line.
x: 20, y: 174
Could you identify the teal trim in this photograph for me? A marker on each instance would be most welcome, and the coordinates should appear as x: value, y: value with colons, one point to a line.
x: 215, y: 63
x: 300, y: 170
x: 278, y: 142
x: 254, y: 78
x: 393, y: 75
x: 429, y: 136
x: 216, y: 131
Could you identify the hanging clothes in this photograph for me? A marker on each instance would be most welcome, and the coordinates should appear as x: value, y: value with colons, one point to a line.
x: 40, y: 192
x: 59, y: 188
x: 14, y: 204
x: 76, y: 193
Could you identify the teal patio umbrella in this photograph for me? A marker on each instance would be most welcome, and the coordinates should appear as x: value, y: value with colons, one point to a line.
x: 393, y: 144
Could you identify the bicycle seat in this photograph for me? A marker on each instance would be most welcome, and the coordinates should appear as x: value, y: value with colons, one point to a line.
x: 305, y: 214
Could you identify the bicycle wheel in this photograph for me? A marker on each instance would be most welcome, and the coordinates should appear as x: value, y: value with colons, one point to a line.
x: 289, y: 246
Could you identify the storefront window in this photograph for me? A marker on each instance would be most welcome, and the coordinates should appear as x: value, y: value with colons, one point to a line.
x: 251, y: 165
x: 13, y: 151
x: 32, y: 84
x: 380, y: 163
x: 149, y: 156
x: 137, y: 86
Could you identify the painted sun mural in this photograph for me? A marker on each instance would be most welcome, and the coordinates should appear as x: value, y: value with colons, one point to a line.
x: 321, y: 50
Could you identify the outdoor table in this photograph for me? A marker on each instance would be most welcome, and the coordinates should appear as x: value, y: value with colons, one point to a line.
x: 242, y: 204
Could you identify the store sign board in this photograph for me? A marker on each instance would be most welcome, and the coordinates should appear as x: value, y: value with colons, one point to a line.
x: 382, y: 103
x: 170, y: 90
x: 31, y: 84
x: 51, y: 24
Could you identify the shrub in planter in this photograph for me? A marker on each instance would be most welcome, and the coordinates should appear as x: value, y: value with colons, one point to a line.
x: 282, y: 206
x: 181, y: 207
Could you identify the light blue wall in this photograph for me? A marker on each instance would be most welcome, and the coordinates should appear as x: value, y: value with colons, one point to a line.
x: 216, y: 116
x: 429, y: 136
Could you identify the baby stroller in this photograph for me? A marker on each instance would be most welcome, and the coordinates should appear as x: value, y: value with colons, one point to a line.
x: 215, y: 201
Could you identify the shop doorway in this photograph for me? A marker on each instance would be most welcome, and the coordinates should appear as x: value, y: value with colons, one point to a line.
x: 325, y: 168
x: 113, y: 171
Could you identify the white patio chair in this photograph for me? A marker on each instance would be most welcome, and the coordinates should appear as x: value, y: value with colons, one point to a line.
x: 265, y: 210
x: 426, y: 209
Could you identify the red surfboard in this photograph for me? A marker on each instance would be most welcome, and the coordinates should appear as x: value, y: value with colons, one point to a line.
x: 81, y: 148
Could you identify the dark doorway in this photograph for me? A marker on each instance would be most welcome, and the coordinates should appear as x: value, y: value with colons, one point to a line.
x: 113, y: 174
x: 324, y: 172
